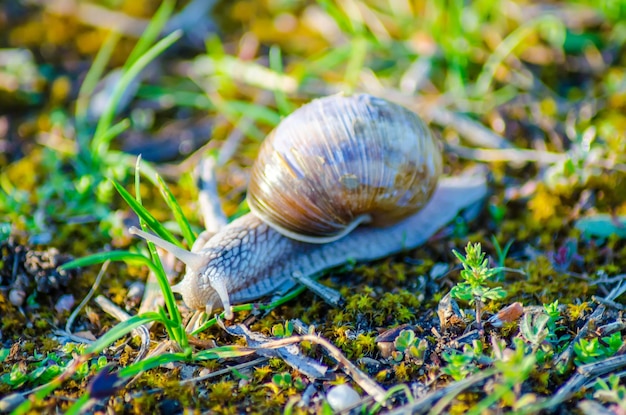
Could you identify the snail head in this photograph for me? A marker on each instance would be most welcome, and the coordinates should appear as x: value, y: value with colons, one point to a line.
x: 201, y: 288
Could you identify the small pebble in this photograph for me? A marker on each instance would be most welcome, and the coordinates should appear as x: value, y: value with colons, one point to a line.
x: 64, y: 303
x: 341, y: 397
x: 17, y: 297
x: 135, y: 294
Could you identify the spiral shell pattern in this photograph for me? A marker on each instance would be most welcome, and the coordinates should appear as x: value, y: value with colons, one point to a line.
x: 340, y: 161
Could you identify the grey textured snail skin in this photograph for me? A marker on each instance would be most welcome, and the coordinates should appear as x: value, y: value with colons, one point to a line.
x: 249, y: 259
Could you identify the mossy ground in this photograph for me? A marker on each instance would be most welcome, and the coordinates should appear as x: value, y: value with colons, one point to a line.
x: 562, y: 96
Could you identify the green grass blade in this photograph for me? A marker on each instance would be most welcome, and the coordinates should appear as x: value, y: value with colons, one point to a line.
x: 99, y: 258
x: 146, y: 216
x: 175, y: 330
x: 118, y: 158
x: 343, y: 21
x: 183, y: 224
x: 122, y: 329
x: 77, y: 406
x: 356, y: 61
x: 115, y: 130
x: 157, y: 23
x: 223, y: 352
x: 276, y: 64
x: 175, y: 97
x: 151, y: 363
x: 175, y: 326
x: 255, y: 112
x: 91, y: 80
x: 505, y: 48
x: 99, y: 146
x: 137, y: 180
x: 329, y: 60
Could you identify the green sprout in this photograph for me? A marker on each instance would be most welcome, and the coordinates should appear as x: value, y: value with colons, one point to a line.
x: 46, y: 368
x: 283, y: 330
x: 282, y: 380
x: 409, y: 346
x: 460, y: 365
x: 535, y: 331
x: 476, y: 274
x: 611, y: 391
x: 594, y: 350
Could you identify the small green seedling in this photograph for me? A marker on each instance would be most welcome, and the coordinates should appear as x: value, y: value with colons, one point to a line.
x: 282, y: 380
x: 611, y: 392
x: 47, y: 368
x: 409, y: 346
x: 460, y: 365
x: 282, y: 330
x: 535, y: 330
x: 285, y: 380
x: 593, y: 350
x: 501, y: 252
x: 476, y: 274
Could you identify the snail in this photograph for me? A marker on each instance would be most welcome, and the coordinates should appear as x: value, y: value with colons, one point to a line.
x: 330, y: 166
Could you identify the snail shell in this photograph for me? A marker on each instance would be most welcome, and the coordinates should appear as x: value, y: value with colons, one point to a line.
x: 340, y: 161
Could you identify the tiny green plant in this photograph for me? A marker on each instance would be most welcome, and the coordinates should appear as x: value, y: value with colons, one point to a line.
x: 552, y: 310
x: 514, y: 366
x: 554, y: 315
x: 45, y: 368
x: 536, y: 330
x: 611, y: 392
x: 282, y: 330
x: 282, y: 380
x: 501, y: 252
x: 408, y: 346
x: 476, y: 274
x: 460, y: 365
x: 594, y: 350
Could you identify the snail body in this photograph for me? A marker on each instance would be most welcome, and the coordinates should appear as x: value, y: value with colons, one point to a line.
x: 333, y: 164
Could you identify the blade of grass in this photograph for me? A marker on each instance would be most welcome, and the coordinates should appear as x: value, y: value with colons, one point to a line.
x: 151, y: 363
x: 175, y: 330
x: 120, y: 330
x: 276, y: 64
x: 345, y: 23
x: 356, y: 62
x: 156, y: 260
x: 174, y: 97
x: 117, y: 158
x: 99, y: 258
x: 223, y: 352
x: 251, y: 73
x: 77, y: 406
x: 505, y: 48
x: 183, y: 224
x: 98, y: 145
x: 156, y: 24
x: 255, y: 112
x: 89, y: 84
x: 115, y: 130
x: 130, y: 257
x: 329, y: 60
x: 150, y: 220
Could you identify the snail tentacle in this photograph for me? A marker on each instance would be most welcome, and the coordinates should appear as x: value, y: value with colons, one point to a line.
x: 191, y: 259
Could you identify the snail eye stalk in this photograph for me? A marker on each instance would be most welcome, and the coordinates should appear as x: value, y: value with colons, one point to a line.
x: 193, y: 261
